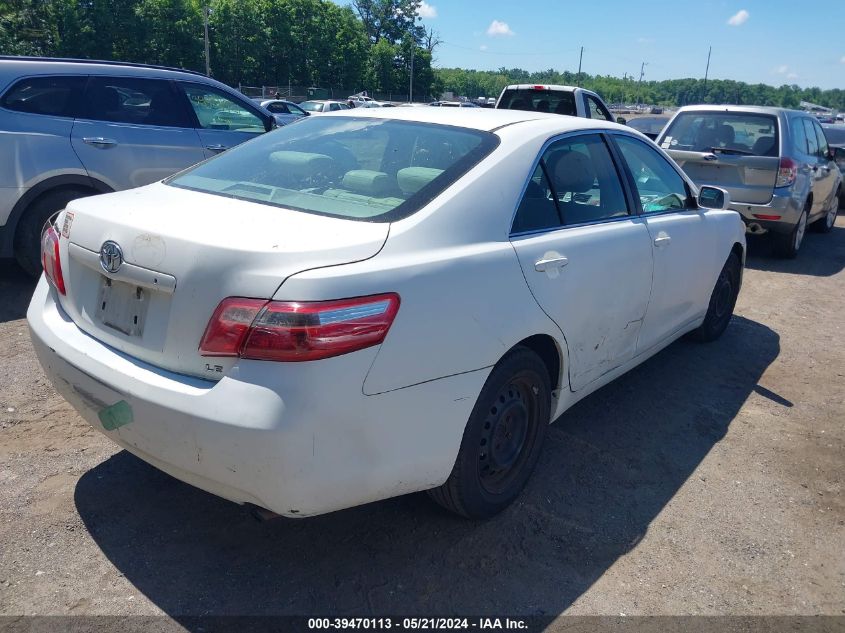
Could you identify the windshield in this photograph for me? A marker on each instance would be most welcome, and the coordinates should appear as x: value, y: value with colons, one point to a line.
x: 533, y: 100
x: 742, y: 133
x: 357, y: 168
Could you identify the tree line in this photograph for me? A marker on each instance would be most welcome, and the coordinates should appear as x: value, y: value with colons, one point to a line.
x: 370, y: 45
x: 671, y: 92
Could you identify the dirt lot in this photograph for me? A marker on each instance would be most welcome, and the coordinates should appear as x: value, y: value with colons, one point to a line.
x: 707, y: 481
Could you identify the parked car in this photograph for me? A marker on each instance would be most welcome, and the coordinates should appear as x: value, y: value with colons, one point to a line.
x: 75, y: 128
x: 775, y: 163
x: 651, y: 126
x: 284, y: 112
x: 320, y: 107
x: 568, y: 100
x: 835, y: 135
x: 453, y: 104
x: 371, y: 303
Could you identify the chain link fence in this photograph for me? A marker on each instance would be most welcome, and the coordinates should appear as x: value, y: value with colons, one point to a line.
x: 303, y: 93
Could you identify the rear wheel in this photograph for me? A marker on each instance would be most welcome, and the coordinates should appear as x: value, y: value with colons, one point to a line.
x: 28, y: 233
x: 787, y: 246
x: 722, y: 302
x: 825, y: 224
x: 502, y: 440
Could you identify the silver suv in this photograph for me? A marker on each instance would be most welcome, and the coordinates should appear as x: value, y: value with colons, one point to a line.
x: 775, y: 163
x: 75, y: 128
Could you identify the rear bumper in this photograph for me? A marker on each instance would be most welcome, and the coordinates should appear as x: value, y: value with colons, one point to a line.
x: 296, y: 438
x: 783, y: 204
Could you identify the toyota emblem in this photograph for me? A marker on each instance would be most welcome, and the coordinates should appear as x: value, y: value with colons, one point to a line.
x: 111, y: 257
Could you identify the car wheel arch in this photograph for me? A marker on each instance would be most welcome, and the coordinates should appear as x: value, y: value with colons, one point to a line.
x: 38, y: 191
x: 550, y: 352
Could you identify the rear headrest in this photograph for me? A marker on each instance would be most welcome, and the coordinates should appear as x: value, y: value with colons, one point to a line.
x: 572, y: 172
x: 301, y: 163
x: 368, y: 182
x: 412, y: 179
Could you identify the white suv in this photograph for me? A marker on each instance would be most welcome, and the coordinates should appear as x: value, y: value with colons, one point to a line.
x: 567, y: 100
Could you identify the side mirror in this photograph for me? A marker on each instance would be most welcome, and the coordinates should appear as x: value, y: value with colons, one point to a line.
x: 621, y: 120
x: 713, y: 198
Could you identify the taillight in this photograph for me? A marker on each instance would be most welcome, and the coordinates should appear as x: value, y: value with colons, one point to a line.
x: 787, y: 171
x: 50, y: 258
x: 297, y: 331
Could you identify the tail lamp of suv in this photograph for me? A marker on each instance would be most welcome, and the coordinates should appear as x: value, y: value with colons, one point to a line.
x: 297, y: 331
x: 787, y: 171
x: 50, y: 257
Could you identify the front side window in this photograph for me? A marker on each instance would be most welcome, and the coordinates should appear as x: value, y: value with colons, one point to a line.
x: 743, y: 133
x: 216, y: 110
x: 659, y: 186
x: 134, y: 101
x: 821, y: 138
x: 364, y: 169
x: 595, y: 110
x: 51, y: 96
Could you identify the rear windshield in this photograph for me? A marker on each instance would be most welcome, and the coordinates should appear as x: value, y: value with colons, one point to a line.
x: 350, y: 167
x: 742, y: 133
x: 556, y: 101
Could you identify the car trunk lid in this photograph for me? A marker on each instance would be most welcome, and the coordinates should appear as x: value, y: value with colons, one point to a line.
x: 183, y: 252
x: 748, y: 179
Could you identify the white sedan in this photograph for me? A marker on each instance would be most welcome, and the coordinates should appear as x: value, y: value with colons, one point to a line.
x: 377, y: 302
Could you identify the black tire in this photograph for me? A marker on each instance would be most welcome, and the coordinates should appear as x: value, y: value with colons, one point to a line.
x: 722, y: 302
x: 826, y: 223
x: 28, y: 234
x: 502, y: 439
x: 787, y: 245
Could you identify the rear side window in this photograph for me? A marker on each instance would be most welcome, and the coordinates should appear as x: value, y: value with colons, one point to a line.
x: 531, y: 100
x: 51, y: 96
x: 356, y: 168
x: 745, y: 133
x: 134, y: 101
x: 812, y: 141
x: 799, y: 136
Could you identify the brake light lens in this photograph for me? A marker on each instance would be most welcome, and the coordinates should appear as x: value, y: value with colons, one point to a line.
x: 290, y: 331
x: 50, y: 261
x: 539, y: 87
x: 787, y: 171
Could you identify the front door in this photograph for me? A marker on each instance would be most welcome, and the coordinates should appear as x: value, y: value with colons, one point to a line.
x: 683, y: 240
x: 586, y: 259
x: 132, y: 132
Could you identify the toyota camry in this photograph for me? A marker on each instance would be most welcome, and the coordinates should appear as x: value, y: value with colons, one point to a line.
x: 373, y: 303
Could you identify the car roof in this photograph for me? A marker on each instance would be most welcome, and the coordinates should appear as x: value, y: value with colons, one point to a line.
x: 545, y: 86
x: 739, y: 108
x: 483, y: 119
x: 14, y: 67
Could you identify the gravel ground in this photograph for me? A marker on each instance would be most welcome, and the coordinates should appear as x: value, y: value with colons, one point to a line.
x: 707, y: 481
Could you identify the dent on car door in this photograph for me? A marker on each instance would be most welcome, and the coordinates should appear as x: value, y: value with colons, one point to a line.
x: 223, y: 120
x: 132, y: 131
x: 586, y: 259
x: 683, y: 239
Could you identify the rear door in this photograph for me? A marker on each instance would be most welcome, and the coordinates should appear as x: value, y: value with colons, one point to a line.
x: 586, y: 259
x: 132, y: 131
x: 738, y: 151
x: 222, y: 120
x: 683, y: 239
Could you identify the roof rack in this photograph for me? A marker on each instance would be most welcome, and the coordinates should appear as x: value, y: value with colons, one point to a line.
x: 71, y: 60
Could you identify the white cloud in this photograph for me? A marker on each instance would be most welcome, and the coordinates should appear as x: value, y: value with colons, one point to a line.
x: 741, y: 17
x: 792, y: 76
x: 782, y: 70
x: 483, y: 47
x: 499, y: 29
x: 426, y: 10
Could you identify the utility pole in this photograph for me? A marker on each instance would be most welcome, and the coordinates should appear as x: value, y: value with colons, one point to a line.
x: 205, y: 11
x: 640, y: 82
x: 411, y: 87
x: 707, y: 71
x: 580, y: 57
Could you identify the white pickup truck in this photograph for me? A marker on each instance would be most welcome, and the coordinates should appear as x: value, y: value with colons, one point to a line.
x: 567, y: 100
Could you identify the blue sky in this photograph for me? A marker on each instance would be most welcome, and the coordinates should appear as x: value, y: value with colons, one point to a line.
x: 773, y: 42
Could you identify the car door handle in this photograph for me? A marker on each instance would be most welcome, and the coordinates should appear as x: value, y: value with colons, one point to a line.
x: 545, y: 264
x: 99, y: 141
x: 663, y: 240
x: 217, y: 148
x: 710, y: 157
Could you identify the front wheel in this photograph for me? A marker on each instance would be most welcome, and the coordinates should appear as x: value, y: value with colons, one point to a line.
x: 502, y: 439
x: 722, y: 302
